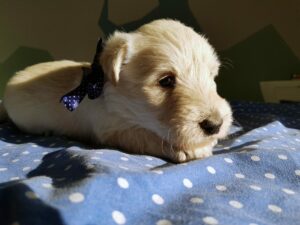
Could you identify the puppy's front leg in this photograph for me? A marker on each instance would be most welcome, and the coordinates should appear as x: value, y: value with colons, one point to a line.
x: 200, y: 151
x: 138, y: 141
x: 142, y: 141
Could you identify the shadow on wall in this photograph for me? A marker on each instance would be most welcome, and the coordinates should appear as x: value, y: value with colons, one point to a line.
x: 178, y: 9
x: 25, y: 56
x: 21, y: 58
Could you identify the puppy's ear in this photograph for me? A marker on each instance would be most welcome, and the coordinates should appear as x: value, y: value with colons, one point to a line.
x: 117, y: 51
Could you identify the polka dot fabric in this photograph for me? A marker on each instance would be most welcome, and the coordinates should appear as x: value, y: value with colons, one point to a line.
x: 253, y: 178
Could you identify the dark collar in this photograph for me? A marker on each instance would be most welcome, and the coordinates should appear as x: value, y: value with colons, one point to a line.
x: 91, y: 84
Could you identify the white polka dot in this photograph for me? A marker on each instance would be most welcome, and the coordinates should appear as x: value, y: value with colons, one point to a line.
x: 31, y: 195
x: 90, y: 166
x: 14, y: 178
x: 253, y: 146
x: 269, y: 175
x: 123, y: 167
x: 5, y: 154
x: 100, y: 153
x: 236, y: 204
x: 50, y: 166
x: 149, y: 158
x: 221, y: 187
x: 15, y: 160
x: 76, y: 197
x: 158, y: 171
x: 74, y: 156
x: 297, y: 172
x: 275, y: 208
x: 239, y: 175
x: 163, y: 222
x: 60, y: 179
x: 37, y: 160
x: 95, y: 158
x: 253, y: 224
x: 26, y: 168
x: 211, y: 170
x: 45, y: 153
x: 210, y: 220
x: 68, y: 167
x: 149, y: 165
x: 255, y: 187
x: 2, y: 169
x: 47, y: 185
x: 288, y: 191
x: 282, y: 157
x: 124, y: 158
x: 118, y: 217
x: 122, y: 182
x: 187, y: 183
x: 228, y: 160
x: 157, y: 199
x: 58, y: 155
x: 25, y: 152
x: 255, y: 158
x: 196, y: 200
x: 34, y: 146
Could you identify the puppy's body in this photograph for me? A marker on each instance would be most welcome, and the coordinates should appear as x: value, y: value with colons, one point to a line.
x: 134, y: 112
x: 32, y: 100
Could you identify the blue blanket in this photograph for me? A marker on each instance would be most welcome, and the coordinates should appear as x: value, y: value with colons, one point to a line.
x: 253, y: 178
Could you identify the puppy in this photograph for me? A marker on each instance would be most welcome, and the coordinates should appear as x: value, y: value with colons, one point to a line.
x: 159, y: 96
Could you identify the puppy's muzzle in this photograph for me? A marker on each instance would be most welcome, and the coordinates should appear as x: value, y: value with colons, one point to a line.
x: 210, y: 127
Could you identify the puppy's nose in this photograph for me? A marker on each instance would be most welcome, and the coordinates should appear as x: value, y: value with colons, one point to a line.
x: 209, y: 127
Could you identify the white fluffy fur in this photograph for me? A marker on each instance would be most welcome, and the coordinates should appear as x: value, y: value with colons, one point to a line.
x: 134, y: 112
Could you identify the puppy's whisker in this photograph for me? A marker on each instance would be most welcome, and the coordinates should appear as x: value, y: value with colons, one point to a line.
x: 227, y: 63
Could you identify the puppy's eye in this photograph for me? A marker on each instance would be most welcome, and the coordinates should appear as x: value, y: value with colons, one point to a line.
x: 168, y: 81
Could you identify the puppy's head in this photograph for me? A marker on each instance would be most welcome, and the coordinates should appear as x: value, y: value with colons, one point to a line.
x: 161, y: 77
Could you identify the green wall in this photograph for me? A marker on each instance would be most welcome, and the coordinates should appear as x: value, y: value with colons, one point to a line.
x: 256, y: 40
x: 261, y: 57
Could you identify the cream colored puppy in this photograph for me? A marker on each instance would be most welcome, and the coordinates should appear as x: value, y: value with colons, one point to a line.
x: 159, y: 98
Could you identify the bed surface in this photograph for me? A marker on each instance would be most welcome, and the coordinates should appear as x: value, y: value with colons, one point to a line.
x: 253, y: 178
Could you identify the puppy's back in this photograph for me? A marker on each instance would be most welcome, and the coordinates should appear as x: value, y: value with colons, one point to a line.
x: 31, y: 97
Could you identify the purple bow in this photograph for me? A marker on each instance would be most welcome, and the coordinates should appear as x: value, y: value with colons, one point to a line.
x: 91, y: 84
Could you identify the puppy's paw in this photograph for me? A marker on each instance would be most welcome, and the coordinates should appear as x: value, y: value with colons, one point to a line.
x: 196, y: 153
x: 188, y: 155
